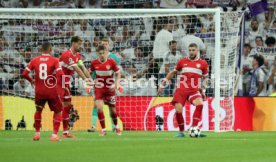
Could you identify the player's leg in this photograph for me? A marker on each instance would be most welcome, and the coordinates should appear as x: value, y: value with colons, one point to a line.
x: 197, y: 100
x: 55, y: 105
x: 94, y: 119
x: 65, y: 114
x: 112, y: 123
x: 94, y: 114
x: 110, y: 100
x: 178, y: 101
x: 39, y: 103
x: 99, y: 104
x: 180, y: 119
x: 113, y: 114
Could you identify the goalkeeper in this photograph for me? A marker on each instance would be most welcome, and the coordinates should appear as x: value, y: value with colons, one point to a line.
x: 105, y: 42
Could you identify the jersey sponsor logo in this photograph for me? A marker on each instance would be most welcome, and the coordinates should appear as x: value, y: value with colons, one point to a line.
x: 198, y: 65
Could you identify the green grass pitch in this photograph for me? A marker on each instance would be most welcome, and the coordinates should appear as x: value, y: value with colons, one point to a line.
x: 133, y: 146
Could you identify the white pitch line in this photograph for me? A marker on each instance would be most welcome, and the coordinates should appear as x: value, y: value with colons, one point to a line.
x: 139, y: 139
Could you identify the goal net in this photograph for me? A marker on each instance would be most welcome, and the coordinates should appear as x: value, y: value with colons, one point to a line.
x: 134, y: 36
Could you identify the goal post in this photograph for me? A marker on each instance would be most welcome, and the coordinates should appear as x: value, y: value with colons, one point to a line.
x: 59, y: 25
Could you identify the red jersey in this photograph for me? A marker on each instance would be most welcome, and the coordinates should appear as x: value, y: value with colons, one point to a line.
x: 45, y: 67
x: 104, y: 72
x: 191, y: 73
x: 67, y: 60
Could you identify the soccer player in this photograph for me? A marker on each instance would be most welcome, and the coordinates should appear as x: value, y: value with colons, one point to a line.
x: 105, y: 43
x: 71, y: 62
x: 105, y: 86
x: 46, y: 89
x: 192, y: 69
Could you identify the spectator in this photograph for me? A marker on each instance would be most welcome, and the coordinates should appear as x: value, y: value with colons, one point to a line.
x: 246, y: 64
x: 85, y: 31
x: 170, y: 61
x: 95, y: 3
x: 259, y: 43
x: 270, y: 42
x: 21, y: 87
x: 191, y: 38
x: 162, y: 39
x: 272, y: 78
x: 255, y: 30
x: 257, y: 80
x: 23, y: 4
x: 87, y: 53
x: 58, y: 4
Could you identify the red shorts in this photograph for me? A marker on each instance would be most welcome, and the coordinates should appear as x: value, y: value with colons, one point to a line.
x: 54, y: 103
x: 180, y: 96
x: 109, y: 97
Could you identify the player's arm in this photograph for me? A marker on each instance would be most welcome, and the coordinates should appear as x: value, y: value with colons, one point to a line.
x: 79, y: 71
x: 59, y: 72
x: 26, y: 71
x: 165, y: 81
x: 83, y: 68
x: 117, y: 77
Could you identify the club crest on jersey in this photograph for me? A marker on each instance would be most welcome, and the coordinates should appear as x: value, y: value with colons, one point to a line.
x: 198, y: 65
x: 107, y: 67
x: 71, y: 61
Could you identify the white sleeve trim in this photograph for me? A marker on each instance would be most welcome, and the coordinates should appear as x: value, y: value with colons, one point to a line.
x: 72, y: 65
x: 27, y: 69
x: 58, y: 69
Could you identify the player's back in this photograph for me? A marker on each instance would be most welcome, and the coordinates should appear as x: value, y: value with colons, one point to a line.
x: 45, y: 67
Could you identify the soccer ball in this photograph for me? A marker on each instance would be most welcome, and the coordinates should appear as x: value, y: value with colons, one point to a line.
x: 194, y: 132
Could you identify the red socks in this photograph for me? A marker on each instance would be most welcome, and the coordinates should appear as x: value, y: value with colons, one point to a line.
x: 180, y: 121
x: 65, y: 118
x: 56, y: 122
x: 37, y: 123
x: 197, y: 115
x: 114, y: 118
x: 101, y: 119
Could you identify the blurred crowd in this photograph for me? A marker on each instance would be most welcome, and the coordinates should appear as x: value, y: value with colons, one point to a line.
x: 147, y: 46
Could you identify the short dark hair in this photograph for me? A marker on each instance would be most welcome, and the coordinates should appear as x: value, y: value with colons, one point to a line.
x: 270, y: 41
x: 259, y: 59
x: 193, y: 45
x: 261, y: 38
x: 100, y: 48
x: 76, y: 39
x: 172, y: 42
x: 46, y: 46
x: 104, y: 39
x: 247, y: 45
